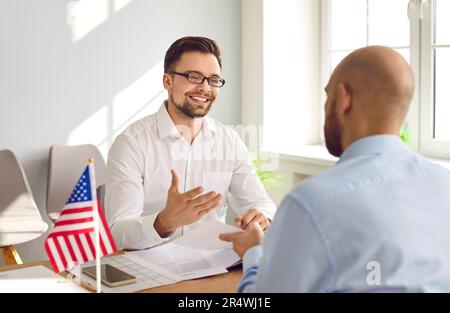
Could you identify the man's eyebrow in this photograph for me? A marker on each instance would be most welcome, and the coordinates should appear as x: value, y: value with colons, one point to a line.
x: 197, y: 72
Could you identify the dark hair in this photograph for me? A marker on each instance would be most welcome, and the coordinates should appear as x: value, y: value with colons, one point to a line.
x: 189, y: 44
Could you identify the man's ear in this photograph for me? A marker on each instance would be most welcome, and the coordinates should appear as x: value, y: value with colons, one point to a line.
x: 344, y: 99
x: 167, y: 81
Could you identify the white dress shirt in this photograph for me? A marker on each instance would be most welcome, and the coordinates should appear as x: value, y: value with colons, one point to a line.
x: 139, y: 177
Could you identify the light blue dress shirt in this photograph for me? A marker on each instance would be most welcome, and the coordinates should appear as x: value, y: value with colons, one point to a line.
x: 379, y: 220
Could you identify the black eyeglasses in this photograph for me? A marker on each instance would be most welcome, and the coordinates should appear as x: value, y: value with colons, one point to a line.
x: 197, y: 78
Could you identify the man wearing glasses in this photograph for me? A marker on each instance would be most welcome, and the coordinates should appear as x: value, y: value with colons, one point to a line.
x: 171, y: 171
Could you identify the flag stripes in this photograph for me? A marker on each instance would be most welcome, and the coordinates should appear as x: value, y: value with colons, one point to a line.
x: 72, y: 239
x: 76, y: 247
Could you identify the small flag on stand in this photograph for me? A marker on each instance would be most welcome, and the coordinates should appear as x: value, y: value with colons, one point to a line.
x: 80, y: 228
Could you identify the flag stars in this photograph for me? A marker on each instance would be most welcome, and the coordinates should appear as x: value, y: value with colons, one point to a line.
x: 82, y: 190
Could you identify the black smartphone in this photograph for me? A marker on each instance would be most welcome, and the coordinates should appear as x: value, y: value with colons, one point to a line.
x: 111, y: 276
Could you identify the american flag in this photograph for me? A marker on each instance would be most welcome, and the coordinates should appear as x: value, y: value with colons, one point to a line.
x: 72, y: 240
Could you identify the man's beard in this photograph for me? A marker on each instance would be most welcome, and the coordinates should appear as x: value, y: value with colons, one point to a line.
x: 333, y: 135
x: 187, y: 109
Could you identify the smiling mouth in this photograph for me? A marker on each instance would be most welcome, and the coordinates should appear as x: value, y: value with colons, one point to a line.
x: 199, y: 99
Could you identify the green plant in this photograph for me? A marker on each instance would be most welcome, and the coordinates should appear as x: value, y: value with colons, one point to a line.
x: 405, y: 134
x: 269, y: 179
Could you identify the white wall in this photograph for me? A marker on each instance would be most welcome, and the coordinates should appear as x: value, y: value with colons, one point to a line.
x: 292, y: 63
x: 281, y: 81
x: 252, y: 62
x: 79, y: 71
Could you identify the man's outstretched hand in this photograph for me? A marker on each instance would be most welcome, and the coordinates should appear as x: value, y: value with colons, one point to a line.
x: 253, y: 215
x: 184, y: 208
x: 242, y: 241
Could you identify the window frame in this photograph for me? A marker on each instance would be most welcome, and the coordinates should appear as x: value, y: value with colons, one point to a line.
x: 421, y: 114
x: 428, y: 144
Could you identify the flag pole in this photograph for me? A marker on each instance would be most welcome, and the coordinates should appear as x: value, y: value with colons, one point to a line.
x: 96, y: 226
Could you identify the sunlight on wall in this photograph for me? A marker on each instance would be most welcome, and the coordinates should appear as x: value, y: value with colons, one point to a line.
x: 83, y: 16
x: 92, y: 130
x: 120, y: 4
x: 141, y: 98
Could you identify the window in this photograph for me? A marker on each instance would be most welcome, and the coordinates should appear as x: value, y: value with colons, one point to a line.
x: 303, y: 41
x: 416, y: 29
x: 358, y: 23
x: 435, y: 75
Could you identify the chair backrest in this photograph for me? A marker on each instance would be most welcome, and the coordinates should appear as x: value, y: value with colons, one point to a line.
x: 66, y: 163
x: 20, y: 219
x: 101, y: 196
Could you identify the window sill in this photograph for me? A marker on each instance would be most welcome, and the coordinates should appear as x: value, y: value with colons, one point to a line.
x: 310, y: 154
x: 318, y: 155
x: 442, y: 162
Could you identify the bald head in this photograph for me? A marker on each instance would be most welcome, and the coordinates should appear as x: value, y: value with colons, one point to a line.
x: 368, y: 94
x: 380, y: 80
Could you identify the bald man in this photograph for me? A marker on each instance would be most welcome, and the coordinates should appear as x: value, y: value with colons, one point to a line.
x: 378, y: 220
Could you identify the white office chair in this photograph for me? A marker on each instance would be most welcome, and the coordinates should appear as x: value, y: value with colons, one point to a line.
x: 66, y: 163
x: 101, y: 196
x: 20, y: 219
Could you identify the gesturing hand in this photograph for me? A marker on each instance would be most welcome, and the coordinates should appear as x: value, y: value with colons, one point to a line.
x: 253, y: 215
x: 184, y: 208
x: 242, y: 241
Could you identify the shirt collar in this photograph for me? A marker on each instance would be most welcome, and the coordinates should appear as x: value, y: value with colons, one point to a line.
x: 208, y: 127
x: 167, y: 128
x: 375, y: 145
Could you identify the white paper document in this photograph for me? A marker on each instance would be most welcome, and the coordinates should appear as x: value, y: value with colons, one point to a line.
x: 199, y: 253
x: 37, y: 279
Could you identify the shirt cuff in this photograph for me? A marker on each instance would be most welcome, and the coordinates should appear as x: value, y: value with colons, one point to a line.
x: 268, y: 210
x: 252, y: 257
x: 156, y: 239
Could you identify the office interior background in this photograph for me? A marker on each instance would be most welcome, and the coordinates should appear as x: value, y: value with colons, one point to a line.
x: 80, y: 71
